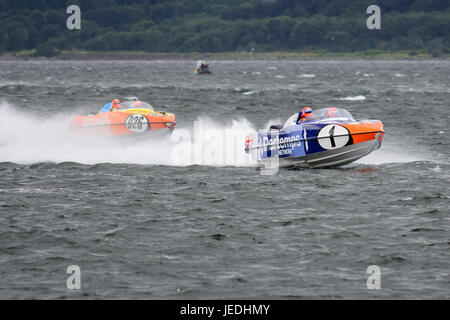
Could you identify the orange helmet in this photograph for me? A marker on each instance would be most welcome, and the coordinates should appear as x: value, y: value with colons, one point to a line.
x: 306, y: 113
x: 137, y: 104
x: 116, y: 103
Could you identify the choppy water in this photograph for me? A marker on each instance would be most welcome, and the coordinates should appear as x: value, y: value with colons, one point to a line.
x: 140, y: 226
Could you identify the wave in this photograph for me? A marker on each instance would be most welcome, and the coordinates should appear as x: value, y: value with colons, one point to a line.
x: 354, y: 98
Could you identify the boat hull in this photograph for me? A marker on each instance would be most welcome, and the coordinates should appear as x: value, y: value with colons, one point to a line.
x: 202, y: 72
x: 334, y: 158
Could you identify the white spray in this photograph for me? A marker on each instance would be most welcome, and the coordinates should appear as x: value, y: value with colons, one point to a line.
x: 26, y: 139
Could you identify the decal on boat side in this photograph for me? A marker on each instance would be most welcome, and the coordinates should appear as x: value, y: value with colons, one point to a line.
x: 136, y: 123
x: 333, y: 136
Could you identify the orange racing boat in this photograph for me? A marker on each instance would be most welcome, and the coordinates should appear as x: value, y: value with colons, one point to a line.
x: 132, y: 119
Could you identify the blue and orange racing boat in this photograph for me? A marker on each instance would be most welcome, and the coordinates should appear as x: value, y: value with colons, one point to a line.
x: 326, y: 139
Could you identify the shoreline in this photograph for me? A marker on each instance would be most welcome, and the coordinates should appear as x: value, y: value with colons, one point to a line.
x: 244, y: 55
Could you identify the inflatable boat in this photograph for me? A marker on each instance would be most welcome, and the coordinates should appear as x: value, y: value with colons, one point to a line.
x: 202, y: 68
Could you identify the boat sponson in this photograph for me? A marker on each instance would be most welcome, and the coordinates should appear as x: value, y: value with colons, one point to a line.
x: 335, y: 157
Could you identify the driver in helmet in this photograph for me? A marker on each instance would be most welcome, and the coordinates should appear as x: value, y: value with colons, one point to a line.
x: 114, y: 105
x: 137, y: 104
x: 304, y: 115
x: 332, y: 112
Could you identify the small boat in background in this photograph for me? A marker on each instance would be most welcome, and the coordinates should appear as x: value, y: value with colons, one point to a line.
x: 132, y: 118
x: 202, y: 68
x: 329, y: 137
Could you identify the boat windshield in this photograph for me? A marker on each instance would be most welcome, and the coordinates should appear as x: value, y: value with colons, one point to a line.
x: 135, y: 104
x: 325, y: 114
x: 332, y: 112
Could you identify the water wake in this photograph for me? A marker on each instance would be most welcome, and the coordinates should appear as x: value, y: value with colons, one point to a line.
x: 391, y: 152
x: 28, y: 139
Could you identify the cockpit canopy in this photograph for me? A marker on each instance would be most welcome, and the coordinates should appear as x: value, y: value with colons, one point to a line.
x: 326, y: 114
x: 135, y: 105
x: 332, y: 112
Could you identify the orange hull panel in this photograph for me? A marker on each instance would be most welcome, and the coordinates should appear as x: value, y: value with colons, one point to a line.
x: 119, y: 123
x: 365, y: 131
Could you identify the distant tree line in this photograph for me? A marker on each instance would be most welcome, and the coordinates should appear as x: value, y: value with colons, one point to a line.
x: 224, y: 25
